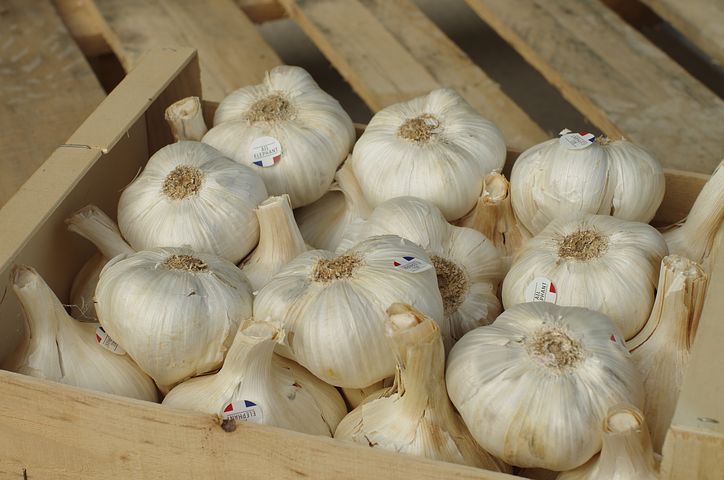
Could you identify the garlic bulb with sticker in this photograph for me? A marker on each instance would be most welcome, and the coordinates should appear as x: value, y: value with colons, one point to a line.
x: 578, y: 173
x: 534, y: 387
x: 595, y: 261
x: 435, y: 147
x: 189, y: 194
x: 332, y: 307
x: 173, y: 310
x: 415, y: 416
x: 288, y: 130
x: 258, y: 386
x: 59, y: 348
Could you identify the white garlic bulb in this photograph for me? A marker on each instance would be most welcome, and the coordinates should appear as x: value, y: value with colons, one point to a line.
x: 467, y: 264
x: 534, y: 387
x: 597, y: 262
x: 435, y: 147
x: 257, y: 386
x: 415, y: 416
x: 577, y: 174
x: 174, y: 311
x: 62, y: 349
x: 288, y: 129
x: 332, y: 308
x: 189, y: 194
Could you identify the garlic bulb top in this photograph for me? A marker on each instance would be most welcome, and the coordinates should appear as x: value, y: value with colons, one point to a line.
x: 288, y: 130
x: 174, y: 311
x: 435, y: 147
x: 534, y: 386
x: 332, y: 308
x: 415, y: 416
x: 257, y: 386
x: 59, y: 348
x: 596, y: 261
x: 576, y: 174
x: 190, y: 195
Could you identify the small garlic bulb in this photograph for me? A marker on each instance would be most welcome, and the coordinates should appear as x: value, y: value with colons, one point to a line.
x: 288, y: 130
x: 62, y: 349
x: 534, y: 387
x: 174, y: 311
x: 576, y: 174
x: 435, y: 147
x: 597, y: 262
x: 186, y: 119
x: 332, y: 308
x: 257, y: 386
x: 415, y: 416
x: 190, y: 195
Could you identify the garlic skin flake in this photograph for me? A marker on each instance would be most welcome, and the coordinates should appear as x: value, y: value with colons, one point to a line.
x: 313, y: 132
x: 435, y: 147
x: 59, y: 348
x: 597, y: 262
x: 332, y: 308
x: 174, y: 311
x: 534, y: 387
x: 189, y: 194
x: 287, y: 395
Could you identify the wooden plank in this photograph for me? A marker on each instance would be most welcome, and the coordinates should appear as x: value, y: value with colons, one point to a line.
x: 616, y: 77
x: 81, y: 22
x: 46, y: 89
x: 260, y: 11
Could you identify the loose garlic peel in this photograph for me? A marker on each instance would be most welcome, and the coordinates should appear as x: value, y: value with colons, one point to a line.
x: 186, y: 119
x: 415, y: 416
x: 59, y: 348
x: 597, y: 262
x: 534, y: 386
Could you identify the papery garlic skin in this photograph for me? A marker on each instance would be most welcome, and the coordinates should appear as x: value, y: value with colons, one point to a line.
x: 173, y: 310
x: 534, y: 386
x: 62, y: 349
x: 332, y: 308
x: 311, y: 128
x: 189, y: 194
x: 595, y: 261
x: 435, y: 147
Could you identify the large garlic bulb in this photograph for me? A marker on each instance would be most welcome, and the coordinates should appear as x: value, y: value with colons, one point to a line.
x: 576, y: 174
x: 288, y: 130
x: 415, y: 416
x: 332, y: 308
x: 257, y: 386
x: 467, y: 264
x: 435, y: 147
x: 596, y: 261
x: 189, y: 194
x: 174, y: 311
x: 59, y: 348
x: 534, y: 387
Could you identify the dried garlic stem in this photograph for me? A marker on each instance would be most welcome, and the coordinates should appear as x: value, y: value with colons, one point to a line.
x: 93, y: 224
x: 186, y: 119
x: 252, y: 351
x: 347, y: 184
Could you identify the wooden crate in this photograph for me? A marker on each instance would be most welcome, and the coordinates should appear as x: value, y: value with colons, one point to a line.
x: 48, y: 430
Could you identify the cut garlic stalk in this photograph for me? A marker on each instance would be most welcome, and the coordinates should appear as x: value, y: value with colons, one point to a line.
x: 186, y: 119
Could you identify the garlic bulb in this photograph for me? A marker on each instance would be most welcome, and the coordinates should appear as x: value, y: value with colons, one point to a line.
x: 257, y: 386
x: 661, y: 349
x: 415, y: 416
x: 323, y: 222
x: 62, y: 349
x: 190, y: 195
x: 288, y: 130
x: 279, y: 241
x: 174, y: 311
x: 467, y: 264
x: 597, y: 262
x: 626, y: 453
x: 186, y: 119
x: 354, y: 397
x: 435, y: 147
x: 577, y: 174
x: 534, y: 387
x: 332, y: 308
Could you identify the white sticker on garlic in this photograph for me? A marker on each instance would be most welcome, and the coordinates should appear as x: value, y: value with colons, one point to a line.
x: 541, y: 289
x: 243, y: 411
x: 107, y: 342
x: 265, y: 151
x: 576, y: 140
x: 411, y: 264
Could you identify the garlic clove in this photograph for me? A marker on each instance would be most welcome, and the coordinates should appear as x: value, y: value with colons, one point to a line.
x: 186, y: 119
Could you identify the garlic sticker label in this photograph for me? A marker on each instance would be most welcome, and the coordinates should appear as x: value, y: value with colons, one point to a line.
x: 411, y: 264
x: 576, y: 140
x: 107, y: 342
x: 265, y: 151
x: 541, y: 289
x: 243, y: 411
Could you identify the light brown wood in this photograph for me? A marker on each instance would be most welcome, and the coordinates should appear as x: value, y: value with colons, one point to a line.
x: 260, y: 11
x: 83, y: 25
x: 615, y: 76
